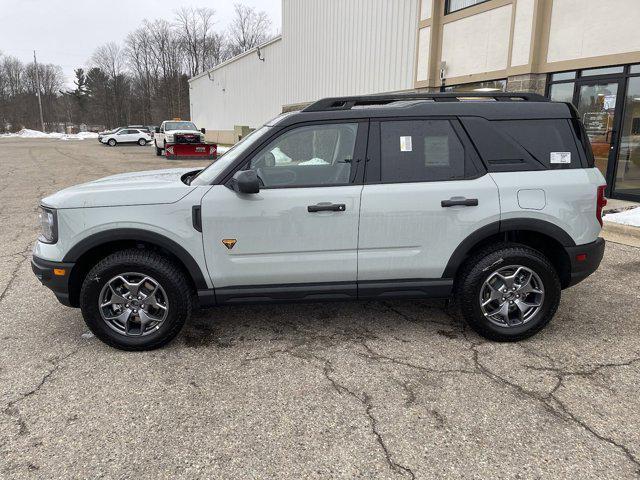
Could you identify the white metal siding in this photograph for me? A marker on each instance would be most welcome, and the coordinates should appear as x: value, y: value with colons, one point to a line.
x: 246, y: 91
x: 345, y: 47
x: 328, y: 48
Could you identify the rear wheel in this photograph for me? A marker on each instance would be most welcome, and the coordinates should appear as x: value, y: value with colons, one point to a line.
x: 135, y: 300
x: 142, y: 142
x: 112, y: 142
x: 508, y: 292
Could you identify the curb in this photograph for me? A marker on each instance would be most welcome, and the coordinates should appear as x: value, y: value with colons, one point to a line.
x: 619, y: 229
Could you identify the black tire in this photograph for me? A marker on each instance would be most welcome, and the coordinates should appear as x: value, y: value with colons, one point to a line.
x: 142, y: 142
x: 165, y: 272
x: 112, y: 142
x: 481, y: 266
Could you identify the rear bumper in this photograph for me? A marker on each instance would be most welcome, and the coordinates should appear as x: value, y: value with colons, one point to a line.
x: 59, y: 284
x: 585, y: 259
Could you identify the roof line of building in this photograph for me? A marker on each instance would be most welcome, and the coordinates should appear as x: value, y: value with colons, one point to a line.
x: 275, y: 39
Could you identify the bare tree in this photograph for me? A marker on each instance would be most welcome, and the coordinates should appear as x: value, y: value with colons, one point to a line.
x: 194, y: 27
x: 248, y: 29
x: 144, y: 80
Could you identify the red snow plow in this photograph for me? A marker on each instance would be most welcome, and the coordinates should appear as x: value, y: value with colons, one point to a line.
x: 181, y: 139
x: 191, y: 150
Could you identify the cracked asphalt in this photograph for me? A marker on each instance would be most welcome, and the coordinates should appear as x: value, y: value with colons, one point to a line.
x: 342, y: 390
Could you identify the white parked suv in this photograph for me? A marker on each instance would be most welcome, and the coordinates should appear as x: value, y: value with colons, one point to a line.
x: 126, y: 135
x: 176, y: 131
x: 491, y: 201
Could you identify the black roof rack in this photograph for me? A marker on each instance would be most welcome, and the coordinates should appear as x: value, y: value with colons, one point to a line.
x: 347, y: 103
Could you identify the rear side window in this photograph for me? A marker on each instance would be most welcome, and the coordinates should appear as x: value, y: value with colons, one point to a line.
x: 550, y: 142
x: 420, y: 151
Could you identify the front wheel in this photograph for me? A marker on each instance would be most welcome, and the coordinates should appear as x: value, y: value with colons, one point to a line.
x: 508, y: 292
x: 135, y: 300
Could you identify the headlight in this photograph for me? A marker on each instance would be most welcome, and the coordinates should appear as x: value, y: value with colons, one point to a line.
x: 170, y: 138
x: 48, y: 225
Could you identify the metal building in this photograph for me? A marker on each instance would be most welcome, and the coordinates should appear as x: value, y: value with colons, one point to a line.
x: 581, y: 51
x: 327, y: 47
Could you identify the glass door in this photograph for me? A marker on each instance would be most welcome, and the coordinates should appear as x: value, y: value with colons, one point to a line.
x: 597, y: 105
x: 627, y: 181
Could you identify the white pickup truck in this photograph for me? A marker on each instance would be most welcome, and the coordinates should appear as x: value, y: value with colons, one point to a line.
x: 177, y: 131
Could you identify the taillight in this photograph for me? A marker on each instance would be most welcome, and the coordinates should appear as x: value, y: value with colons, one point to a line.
x: 601, y: 202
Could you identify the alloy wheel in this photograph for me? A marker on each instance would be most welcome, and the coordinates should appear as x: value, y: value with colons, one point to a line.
x: 133, y: 304
x: 511, y: 296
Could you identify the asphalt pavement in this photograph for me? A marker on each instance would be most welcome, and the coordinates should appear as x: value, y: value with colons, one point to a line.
x: 341, y: 390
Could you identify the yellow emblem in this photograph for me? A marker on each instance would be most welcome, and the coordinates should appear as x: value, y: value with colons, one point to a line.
x: 229, y: 242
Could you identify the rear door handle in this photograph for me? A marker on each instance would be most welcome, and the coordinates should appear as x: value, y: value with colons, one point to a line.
x: 327, y: 207
x: 455, y: 201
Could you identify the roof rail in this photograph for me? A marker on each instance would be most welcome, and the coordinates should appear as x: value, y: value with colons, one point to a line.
x: 347, y: 103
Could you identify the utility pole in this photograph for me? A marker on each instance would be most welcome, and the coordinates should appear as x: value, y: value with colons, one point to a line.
x: 35, y: 61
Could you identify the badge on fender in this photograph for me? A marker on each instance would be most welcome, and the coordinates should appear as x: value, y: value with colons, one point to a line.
x: 229, y: 242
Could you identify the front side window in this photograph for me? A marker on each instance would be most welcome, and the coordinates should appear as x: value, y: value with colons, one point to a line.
x: 420, y: 151
x: 455, y: 5
x: 308, y: 156
x: 209, y: 174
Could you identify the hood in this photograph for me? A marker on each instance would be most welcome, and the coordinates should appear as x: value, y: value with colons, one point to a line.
x: 136, y: 188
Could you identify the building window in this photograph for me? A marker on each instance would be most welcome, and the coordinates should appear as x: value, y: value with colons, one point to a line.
x: 490, y: 86
x: 455, y: 5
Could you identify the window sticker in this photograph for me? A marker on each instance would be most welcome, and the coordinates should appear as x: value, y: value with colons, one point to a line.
x: 436, y: 151
x: 406, y: 144
x: 560, y: 157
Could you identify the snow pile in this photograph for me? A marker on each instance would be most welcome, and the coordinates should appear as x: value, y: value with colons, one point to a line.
x: 87, y: 135
x: 627, y: 217
x: 28, y: 133
x: 222, y: 150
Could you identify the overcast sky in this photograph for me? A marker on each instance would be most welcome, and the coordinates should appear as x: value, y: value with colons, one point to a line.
x: 66, y: 32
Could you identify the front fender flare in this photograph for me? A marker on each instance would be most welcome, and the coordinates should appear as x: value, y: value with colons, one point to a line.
x: 133, y: 234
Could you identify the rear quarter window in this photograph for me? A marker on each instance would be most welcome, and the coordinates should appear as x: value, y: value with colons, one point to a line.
x: 550, y: 142
x: 525, y: 145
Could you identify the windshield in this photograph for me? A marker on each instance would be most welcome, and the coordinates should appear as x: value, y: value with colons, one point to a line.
x: 206, y: 176
x: 180, y: 126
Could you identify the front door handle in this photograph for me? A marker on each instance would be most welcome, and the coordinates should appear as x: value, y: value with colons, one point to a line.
x: 327, y: 207
x: 455, y: 201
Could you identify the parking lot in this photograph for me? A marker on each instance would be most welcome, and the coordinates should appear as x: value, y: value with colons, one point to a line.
x: 344, y: 390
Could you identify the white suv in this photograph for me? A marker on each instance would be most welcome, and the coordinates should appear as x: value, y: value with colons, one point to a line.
x: 492, y: 201
x: 126, y: 135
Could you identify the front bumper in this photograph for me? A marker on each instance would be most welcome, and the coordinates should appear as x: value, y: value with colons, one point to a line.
x: 59, y: 284
x: 585, y: 259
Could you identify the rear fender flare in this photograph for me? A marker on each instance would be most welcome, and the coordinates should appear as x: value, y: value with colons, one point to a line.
x: 517, y: 224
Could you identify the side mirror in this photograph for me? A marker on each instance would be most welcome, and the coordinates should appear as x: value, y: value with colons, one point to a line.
x: 157, y: 129
x: 203, y: 130
x: 245, y: 181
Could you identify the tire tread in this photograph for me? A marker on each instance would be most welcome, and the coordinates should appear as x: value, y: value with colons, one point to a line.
x: 150, y: 259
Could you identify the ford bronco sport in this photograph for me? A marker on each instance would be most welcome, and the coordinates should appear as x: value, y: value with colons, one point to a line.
x: 492, y: 200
